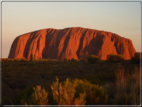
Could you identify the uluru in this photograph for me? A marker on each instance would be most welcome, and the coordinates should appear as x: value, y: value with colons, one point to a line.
x: 70, y: 43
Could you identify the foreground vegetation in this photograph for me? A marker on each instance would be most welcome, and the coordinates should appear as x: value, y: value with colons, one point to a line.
x: 70, y: 82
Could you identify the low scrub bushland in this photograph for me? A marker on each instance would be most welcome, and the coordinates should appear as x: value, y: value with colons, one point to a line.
x: 32, y: 96
x: 92, y: 59
x: 78, y: 92
x: 7, y: 59
x: 95, y: 94
x: 68, y: 92
x: 83, y: 61
x: 64, y: 93
x: 14, y: 60
x: 127, y: 87
x: 115, y: 58
x: 136, y: 58
x: 122, y: 85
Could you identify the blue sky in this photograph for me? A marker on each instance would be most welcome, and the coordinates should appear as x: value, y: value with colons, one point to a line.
x: 122, y: 18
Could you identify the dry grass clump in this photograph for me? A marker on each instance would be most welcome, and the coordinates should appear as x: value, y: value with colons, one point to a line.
x: 95, y: 94
x: 93, y: 59
x: 136, y: 58
x: 127, y: 87
x: 14, y: 60
x: 78, y: 92
x: 7, y: 59
x: 115, y: 58
x: 64, y: 93
x: 38, y: 97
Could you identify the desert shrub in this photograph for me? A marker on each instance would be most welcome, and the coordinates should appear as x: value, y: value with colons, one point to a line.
x: 19, y: 59
x: 7, y: 59
x: 31, y: 63
x: 4, y: 59
x: 23, y: 95
x: 10, y: 60
x: 65, y: 59
x: 78, y: 92
x: 121, y: 86
x: 109, y: 76
x: 115, y: 58
x: 23, y: 59
x: 83, y: 61
x: 136, y: 58
x: 15, y: 60
x: 73, y: 60
x: 64, y: 93
x: 94, y: 93
x: 45, y: 59
x: 92, y: 59
x: 127, y: 87
x: 135, y: 87
x: 56, y: 60
x: 38, y: 97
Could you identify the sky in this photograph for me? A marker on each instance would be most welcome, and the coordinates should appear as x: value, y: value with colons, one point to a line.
x: 122, y: 18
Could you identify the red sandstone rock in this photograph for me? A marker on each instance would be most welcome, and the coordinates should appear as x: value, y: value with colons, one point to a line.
x: 70, y: 43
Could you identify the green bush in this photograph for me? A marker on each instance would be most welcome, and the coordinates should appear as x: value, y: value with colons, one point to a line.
x: 115, y: 58
x: 38, y: 97
x: 24, y: 95
x: 64, y: 93
x: 65, y: 59
x: 83, y: 61
x: 78, y: 92
x: 73, y: 60
x: 94, y: 93
x: 92, y: 59
x: 136, y: 58
x: 23, y: 59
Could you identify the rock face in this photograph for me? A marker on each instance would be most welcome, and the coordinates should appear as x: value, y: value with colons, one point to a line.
x: 70, y: 43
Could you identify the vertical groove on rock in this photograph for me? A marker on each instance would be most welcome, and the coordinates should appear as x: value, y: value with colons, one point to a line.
x: 26, y: 50
x: 81, y: 44
x: 69, y: 43
x: 48, y: 45
x: 62, y: 54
